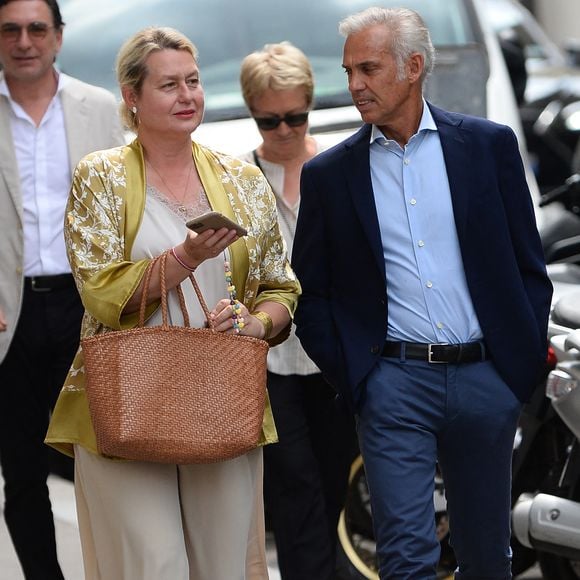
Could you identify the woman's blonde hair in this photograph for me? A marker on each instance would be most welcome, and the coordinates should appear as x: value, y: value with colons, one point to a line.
x: 131, y: 64
x: 278, y: 67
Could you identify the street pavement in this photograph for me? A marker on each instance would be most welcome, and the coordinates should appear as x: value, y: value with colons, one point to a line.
x: 68, y: 544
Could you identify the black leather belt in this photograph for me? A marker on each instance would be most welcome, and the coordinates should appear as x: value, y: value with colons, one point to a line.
x: 49, y: 283
x: 437, y: 353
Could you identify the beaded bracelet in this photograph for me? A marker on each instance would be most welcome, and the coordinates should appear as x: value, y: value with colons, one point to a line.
x: 266, y: 320
x: 180, y: 261
x: 237, y: 320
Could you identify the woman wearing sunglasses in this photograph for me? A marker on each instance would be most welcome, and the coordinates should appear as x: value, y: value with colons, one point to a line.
x: 306, y: 473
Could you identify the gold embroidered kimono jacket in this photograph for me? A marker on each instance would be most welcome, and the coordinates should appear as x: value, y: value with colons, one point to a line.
x: 103, y: 216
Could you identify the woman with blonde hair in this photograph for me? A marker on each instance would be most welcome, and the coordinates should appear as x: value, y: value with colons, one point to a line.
x: 128, y: 205
x: 306, y: 473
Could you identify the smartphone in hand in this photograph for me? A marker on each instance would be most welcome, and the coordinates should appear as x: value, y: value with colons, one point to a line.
x: 214, y: 220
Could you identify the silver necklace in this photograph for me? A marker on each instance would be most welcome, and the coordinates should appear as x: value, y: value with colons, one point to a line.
x: 175, y: 197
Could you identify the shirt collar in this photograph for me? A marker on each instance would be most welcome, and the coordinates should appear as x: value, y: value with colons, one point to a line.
x: 62, y: 81
x: 427, y: 123
x: 4, y: 87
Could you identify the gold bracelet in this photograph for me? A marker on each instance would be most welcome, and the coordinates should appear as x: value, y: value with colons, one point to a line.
x: 266, y: 321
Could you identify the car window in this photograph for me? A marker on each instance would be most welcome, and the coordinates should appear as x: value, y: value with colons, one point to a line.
x: 225, y: 31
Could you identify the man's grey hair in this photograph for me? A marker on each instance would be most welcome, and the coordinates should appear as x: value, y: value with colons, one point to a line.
x: 409, y: 34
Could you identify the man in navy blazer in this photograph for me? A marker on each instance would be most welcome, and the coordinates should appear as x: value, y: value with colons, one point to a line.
x: 425, y: 300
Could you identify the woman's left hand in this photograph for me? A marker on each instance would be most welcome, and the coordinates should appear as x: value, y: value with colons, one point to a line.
x: 222, y: 316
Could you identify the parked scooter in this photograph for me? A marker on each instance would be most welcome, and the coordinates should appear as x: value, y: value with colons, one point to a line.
x: 552, y: 134
x: 560, y: 231
x: 553, y: 139
x: 542, y: 438
x: 548, y: 521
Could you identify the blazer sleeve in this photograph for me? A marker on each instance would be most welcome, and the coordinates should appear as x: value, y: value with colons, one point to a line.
x: 94, y: 234
x: 526, y: 241
x: 312, y: 261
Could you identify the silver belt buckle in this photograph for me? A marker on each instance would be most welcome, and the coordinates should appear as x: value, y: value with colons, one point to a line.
x: 430, y: 353
x: 34, y: 288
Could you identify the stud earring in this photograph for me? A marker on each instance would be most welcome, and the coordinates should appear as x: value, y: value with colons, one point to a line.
x: 134, y: 110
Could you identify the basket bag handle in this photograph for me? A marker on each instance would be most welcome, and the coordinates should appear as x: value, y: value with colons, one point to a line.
x: 162, y: 259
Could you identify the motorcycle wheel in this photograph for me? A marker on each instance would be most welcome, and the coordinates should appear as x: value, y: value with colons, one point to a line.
x: 558, y: 568
x: 356, y: 552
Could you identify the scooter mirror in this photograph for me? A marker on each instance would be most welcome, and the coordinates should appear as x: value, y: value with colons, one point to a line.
x: 573, y: 340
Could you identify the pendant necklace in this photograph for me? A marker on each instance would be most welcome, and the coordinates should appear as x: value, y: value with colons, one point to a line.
x: 175, y: 197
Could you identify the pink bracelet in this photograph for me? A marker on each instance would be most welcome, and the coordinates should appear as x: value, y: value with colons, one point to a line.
x: 180, y: 261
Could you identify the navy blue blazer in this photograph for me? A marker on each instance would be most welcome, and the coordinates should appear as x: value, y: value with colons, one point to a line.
x: 337, y: 255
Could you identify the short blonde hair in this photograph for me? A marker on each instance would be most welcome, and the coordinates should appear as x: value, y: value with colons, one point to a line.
x: 131, y: 62
x: 278, y: 67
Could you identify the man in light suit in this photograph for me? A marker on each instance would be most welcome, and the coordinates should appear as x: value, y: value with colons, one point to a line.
x: 48, y: 121
x: 425, y: 300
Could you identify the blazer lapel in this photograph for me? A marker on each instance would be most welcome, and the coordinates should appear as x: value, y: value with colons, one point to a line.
x: 8, y: 163
x: 358, y: 178
x: 457, y: 154
x: 76, y: 122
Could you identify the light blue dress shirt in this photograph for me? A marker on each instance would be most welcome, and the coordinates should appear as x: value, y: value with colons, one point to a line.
x: 427, y: 292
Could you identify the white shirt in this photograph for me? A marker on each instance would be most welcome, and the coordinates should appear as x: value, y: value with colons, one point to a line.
x: 288, y: 358
x: 45, y: 179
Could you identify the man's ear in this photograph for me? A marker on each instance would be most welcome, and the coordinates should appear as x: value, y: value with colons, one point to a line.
x: 415, y: 66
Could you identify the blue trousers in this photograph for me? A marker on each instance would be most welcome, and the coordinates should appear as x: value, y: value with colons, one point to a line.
x: 414, y: 414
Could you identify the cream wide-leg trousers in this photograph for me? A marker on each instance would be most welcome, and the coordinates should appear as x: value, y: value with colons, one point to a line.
x: 149, y: 521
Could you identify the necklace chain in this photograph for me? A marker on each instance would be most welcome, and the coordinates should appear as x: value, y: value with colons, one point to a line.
x: 178, y: 199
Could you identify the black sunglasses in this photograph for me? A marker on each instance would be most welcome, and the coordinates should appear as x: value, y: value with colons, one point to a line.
x: 273, y: 122
x: 36, y: 30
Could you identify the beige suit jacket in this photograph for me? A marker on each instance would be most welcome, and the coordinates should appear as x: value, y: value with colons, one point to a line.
x: 91, y: 123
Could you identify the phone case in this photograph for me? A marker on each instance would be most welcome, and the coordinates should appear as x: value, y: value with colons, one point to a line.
x: 214, y: 220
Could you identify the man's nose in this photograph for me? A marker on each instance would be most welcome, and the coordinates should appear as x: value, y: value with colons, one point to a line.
x: 23, y: 39
x: 355, y: 82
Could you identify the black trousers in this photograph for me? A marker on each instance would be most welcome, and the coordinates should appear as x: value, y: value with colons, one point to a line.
x: 31, y: 376
x: 306, y: 474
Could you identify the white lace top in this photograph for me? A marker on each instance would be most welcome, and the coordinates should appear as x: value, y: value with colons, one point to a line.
x: 163, y: 227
